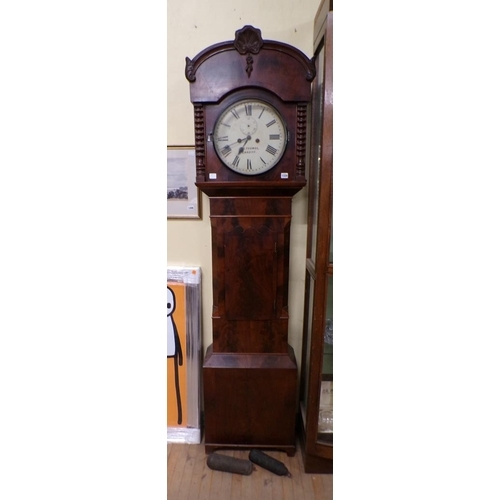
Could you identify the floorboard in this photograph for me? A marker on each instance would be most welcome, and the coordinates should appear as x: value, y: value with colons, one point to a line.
x: 189, y: 478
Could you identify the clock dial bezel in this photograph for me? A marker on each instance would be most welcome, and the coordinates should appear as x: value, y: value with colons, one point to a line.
x: 250, y: 136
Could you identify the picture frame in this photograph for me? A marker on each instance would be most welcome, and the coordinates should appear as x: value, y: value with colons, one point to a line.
x: 183, y: 197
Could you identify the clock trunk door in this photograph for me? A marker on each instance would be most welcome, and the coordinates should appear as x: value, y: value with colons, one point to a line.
x: 251, y: 274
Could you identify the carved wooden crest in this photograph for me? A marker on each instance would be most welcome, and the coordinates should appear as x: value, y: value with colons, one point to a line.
x: 248, y: 39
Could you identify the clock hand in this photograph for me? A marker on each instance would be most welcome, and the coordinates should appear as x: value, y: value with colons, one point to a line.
x: 243, y: 147
x: 239, y: 141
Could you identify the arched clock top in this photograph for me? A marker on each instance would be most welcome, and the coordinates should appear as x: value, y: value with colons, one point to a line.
x: 249, y: 60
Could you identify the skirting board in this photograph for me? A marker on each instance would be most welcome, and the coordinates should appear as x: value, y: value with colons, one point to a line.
x: 183, y: 435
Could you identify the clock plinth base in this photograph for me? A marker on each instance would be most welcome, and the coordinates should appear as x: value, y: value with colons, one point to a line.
x: 250, y: 401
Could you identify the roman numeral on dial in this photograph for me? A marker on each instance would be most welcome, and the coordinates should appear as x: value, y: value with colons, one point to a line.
x: 271, y: 150
x: 235, y: 114
x: 272, y: 122
x: 225, y: 150
x: 249, y: 164
x: 274, y: 137
x: 236, y: 161
x: 248, y: 109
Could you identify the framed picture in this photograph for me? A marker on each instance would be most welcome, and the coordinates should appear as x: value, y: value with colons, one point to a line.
x: 183, y: 197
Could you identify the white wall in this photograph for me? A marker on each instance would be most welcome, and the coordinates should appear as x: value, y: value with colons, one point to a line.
x: 192, y: 26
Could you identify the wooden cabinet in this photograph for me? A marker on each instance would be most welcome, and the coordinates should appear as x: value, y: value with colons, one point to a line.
x: 316, y: 385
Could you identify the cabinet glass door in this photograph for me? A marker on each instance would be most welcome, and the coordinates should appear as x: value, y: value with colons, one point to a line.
x: 325, y: 416
x: 307, y: 358
x: 314, y: 179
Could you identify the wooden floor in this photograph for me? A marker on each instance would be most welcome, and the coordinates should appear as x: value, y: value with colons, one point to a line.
x: 189, y: 478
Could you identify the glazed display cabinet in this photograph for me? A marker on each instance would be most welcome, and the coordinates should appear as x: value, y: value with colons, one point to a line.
x: 316, y: 384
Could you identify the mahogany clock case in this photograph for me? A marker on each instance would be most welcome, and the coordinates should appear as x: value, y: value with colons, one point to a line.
x: 250, y: 373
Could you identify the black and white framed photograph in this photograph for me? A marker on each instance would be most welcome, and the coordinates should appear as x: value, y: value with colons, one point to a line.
x: 183, y: 198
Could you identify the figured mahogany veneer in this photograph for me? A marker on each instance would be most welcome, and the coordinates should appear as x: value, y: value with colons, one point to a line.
x: 250, y: 257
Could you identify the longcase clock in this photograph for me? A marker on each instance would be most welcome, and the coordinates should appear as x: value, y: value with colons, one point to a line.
x: 250, y: 99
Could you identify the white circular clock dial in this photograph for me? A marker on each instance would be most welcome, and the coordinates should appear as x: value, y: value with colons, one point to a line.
x: 250, y: 137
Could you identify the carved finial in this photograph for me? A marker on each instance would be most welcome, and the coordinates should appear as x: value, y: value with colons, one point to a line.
x: 248, y: 39
x: 189, y: 71
x: 311, y: 72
